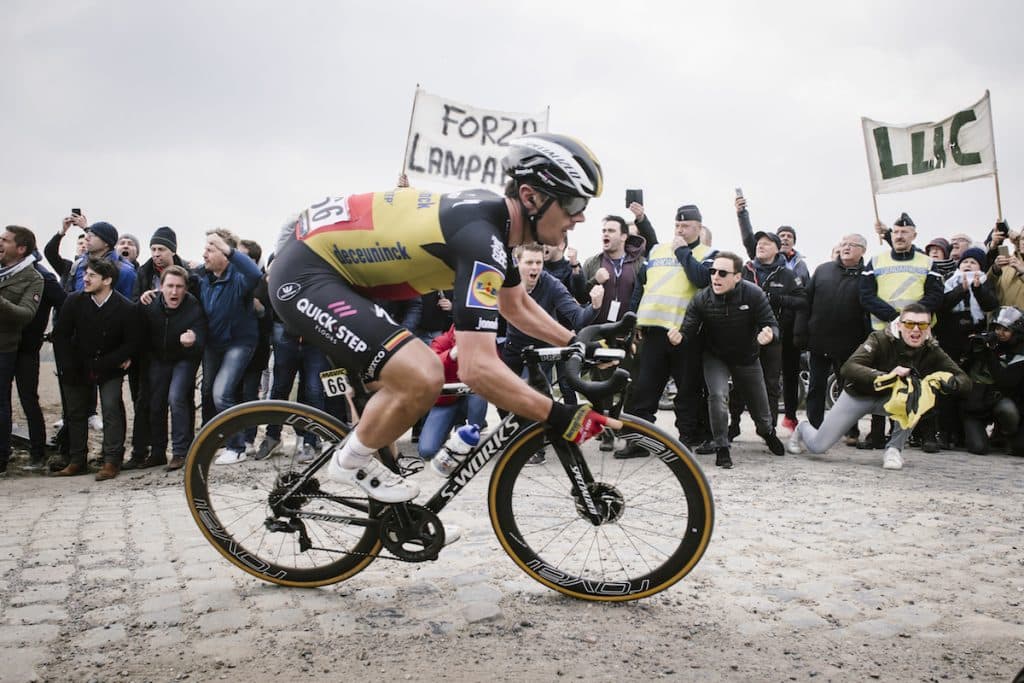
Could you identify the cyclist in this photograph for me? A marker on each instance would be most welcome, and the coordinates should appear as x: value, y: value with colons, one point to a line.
x: 346, y: 251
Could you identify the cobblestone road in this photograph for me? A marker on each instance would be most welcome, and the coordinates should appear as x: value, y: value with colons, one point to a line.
x: 824, y: 567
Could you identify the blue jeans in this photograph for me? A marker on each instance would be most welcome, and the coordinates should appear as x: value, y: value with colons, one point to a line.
x: 439, y: 421
x: 172, y: 384
x: 8, y: 360
x: 293, y: 357
x: 223, y: 370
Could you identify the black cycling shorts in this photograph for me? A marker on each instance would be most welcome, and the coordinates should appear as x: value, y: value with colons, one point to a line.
x: 315, y: 303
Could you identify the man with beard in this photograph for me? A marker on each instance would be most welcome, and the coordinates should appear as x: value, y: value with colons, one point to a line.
x: 892, y: 280
x: 673, y: 274
x: 95, y: 338
x: 21, y: 288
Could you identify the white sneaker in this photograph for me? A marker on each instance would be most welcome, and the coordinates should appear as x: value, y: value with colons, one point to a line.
x: 377, y: 481
x: 250, y: 449
x: 96, y: 423
x: 452, y: 533
x: 229, y: 456
x: 793, y: 444
x: 892, y: 459
x: 305, y: 454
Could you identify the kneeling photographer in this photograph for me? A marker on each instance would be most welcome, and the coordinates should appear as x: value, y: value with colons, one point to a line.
x: 995, y: 364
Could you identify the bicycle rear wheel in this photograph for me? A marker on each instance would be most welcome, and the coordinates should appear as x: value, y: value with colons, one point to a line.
x: 657, y: 510
x: 243, y: 511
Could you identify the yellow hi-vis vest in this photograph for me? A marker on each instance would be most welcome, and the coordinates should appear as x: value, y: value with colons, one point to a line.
x: 899, y: 282
x: 668, y: 291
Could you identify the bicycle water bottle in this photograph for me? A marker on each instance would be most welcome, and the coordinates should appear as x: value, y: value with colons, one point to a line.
x: 459, y: 444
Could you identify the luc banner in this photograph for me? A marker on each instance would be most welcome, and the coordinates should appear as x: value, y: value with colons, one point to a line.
x: 459, y: 144
x: 959, y: 148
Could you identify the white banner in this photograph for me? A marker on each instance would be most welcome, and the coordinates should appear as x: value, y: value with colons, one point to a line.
x: 959, y: 148
x: 458, y: 144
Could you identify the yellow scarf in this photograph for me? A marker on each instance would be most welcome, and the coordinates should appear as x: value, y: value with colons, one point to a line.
x: 911, y: 397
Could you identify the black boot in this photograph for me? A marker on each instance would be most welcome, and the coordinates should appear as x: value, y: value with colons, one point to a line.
x: 774, y: 445
x: 734, y: 430
x: 722, y: 458
x: 706, y: 448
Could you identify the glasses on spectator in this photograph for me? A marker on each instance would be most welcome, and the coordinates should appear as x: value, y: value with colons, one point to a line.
x: 573, y: 205
x: 721, y: 273
x: 853, y: 244
x: 916, y: 324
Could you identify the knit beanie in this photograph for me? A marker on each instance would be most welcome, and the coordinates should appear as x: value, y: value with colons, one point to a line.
x: 975, y: 253
x: 105, y: 231
x: 165, y: 237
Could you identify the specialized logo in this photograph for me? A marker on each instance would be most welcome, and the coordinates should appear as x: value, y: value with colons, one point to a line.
x: 379, y: 311
x: 341, y: 309
x: 484, y: 285
x: 288, y: 291
x: 498, y: 252
x: 328, y: 326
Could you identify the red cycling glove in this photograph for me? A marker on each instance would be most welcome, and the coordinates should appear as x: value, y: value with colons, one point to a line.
x: 576, y: 423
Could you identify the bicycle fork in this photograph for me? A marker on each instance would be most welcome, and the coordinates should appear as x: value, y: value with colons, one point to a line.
x: 583, y: 484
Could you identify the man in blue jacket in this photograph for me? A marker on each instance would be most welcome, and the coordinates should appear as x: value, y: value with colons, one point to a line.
x: 227, y: 280
x: 554, y: 298
x: 100, y: 239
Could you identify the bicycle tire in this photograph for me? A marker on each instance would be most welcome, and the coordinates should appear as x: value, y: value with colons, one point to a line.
x: 536, y: 519
x: 230, y: 503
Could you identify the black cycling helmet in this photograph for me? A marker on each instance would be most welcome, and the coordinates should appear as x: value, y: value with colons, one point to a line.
x: 554, y: 164
x: 1011, y: 318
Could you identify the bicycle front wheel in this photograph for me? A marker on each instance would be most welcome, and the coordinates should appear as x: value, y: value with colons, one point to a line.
x: 657, y: 515
x: 314, y: 535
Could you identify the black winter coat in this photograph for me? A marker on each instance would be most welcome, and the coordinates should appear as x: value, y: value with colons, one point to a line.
x: 91, y: 342
x: 786, y: 296
x: 164, y: 327
x: 838, y: 323
x: 729, y: 323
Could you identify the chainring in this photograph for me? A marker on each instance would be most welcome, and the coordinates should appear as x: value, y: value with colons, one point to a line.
x: 417, y: 539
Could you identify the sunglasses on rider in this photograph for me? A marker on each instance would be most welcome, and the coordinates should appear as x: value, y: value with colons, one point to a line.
x: 721, y: 273
x: 915, y: 324
x: 573, y: 205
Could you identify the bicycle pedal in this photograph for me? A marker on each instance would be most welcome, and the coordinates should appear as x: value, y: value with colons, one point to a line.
x: 409, y: 465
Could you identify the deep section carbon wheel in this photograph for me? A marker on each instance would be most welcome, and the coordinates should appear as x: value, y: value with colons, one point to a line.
x: 279, y: 519
x: 655, y: 515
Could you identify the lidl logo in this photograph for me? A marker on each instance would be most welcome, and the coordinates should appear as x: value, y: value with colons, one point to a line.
x: 484, y: 286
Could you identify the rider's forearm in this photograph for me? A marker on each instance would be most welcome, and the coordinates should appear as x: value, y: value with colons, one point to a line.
x: 492, y: 379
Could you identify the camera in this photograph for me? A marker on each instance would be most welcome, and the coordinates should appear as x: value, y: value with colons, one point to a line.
x: 984, y: 339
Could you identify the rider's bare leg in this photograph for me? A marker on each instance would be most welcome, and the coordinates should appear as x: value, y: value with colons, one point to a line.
x: 409, y: 384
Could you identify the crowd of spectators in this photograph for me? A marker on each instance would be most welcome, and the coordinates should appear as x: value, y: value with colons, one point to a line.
x: 943, y: 320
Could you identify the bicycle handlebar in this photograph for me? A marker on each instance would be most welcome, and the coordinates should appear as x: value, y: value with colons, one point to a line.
x: 573, y: 366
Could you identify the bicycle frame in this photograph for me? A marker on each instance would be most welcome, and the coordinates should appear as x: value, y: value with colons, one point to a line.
x: 508, y: 430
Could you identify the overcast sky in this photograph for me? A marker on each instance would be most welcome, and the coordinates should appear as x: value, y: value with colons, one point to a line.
x: 236, y: 114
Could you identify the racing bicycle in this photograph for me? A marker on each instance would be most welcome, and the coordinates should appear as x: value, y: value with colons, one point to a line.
x: 584, y: 524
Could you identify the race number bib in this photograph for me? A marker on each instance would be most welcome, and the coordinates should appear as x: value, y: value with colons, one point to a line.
x: 328, y: 212
x: 335, y: 382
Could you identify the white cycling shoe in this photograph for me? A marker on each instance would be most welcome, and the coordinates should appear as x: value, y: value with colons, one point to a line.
x: 377, y: 481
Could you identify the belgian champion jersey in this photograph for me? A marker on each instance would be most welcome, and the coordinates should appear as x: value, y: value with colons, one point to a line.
x: 404, y: 243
